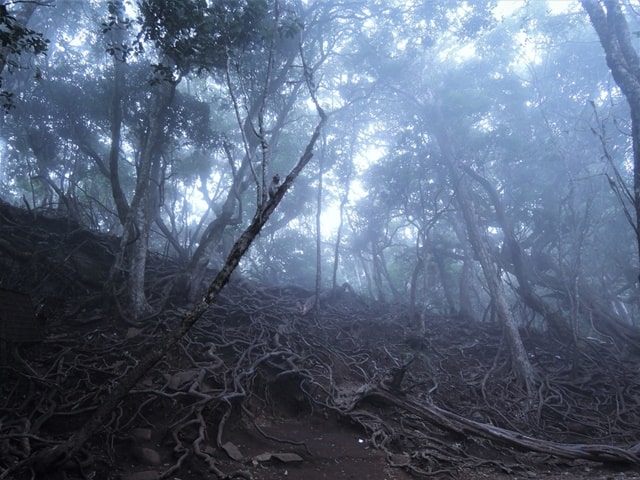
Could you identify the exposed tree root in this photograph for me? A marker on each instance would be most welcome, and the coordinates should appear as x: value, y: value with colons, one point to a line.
x: 455, y: 423
x: 252, y: 356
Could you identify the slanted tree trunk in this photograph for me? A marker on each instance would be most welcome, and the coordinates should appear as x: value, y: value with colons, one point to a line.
x: 520, y: 359
x: 519, y: 263
x: 480, y: 247
x: 610, y: 24
x: 51, y: 457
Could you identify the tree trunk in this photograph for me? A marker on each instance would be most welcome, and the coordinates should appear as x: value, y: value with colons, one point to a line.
x: 465, y: 282
x: 387, y: 276
x: 143, y: 210
x: 318, y: 285
x: 611, y: 26
x: 49, y: 458
x: 367, y: 274
x: 521, y: 362
x: 466, y: 304
x: 376, y: 271
x: 479, y: 244
x: 336, y: 250
x: 520, y: 267
x: 414, y: 316
x: 117, y: 32
x: 446, y: 281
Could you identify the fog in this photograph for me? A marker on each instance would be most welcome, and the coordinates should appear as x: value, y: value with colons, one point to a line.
x: 473, y: 160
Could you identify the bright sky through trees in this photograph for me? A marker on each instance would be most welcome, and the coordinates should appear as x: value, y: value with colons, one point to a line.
x: 505, y: 89
x: 507, y: 7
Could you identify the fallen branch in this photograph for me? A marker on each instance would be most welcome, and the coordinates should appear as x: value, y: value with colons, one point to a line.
x: 457, y: 424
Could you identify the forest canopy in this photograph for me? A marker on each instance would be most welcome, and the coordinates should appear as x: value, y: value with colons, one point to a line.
x: 163, y: 123
x: 166, y: 121
x: 477, y: 161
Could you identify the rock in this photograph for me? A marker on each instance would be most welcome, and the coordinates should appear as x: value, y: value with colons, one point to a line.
x: 263, y: 457
x: 233, y: 451
x: 287, y: 457
x: 283, y: 457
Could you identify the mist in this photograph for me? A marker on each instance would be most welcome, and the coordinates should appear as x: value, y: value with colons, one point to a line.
x: 250, y: 210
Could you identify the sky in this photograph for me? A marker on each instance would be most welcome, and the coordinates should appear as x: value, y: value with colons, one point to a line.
x: 506, y: 7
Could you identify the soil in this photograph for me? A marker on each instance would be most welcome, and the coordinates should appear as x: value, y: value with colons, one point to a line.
x: 280, y: 427
x: 258, y: 390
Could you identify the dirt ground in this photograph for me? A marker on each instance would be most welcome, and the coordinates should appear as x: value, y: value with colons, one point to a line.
x: 254, y: 393
x: 258, y: 390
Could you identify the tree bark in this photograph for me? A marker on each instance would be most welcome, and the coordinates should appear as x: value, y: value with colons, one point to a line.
x: 415, y: 317
x: 318, y: 283
x: 446, y: 281
x: 465, y: 284
x: 336, y: 250
x: 455, y: 423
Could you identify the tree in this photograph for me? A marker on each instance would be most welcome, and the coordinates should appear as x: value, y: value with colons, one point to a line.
x: 62, y: 453
x: 257, y: 87
x: 612, y: 28
x: 190, y: 37
x: 17, y: 39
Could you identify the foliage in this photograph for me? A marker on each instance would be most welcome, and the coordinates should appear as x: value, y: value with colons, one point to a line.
x: 16, y: 40
x: 199, y: 35
x: 399, y: 76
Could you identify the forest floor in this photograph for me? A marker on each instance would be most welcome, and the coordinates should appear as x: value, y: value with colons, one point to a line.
x: 259, y: 391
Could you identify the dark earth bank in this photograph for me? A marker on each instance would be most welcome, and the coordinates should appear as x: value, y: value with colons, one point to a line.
x: 259, y: 390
